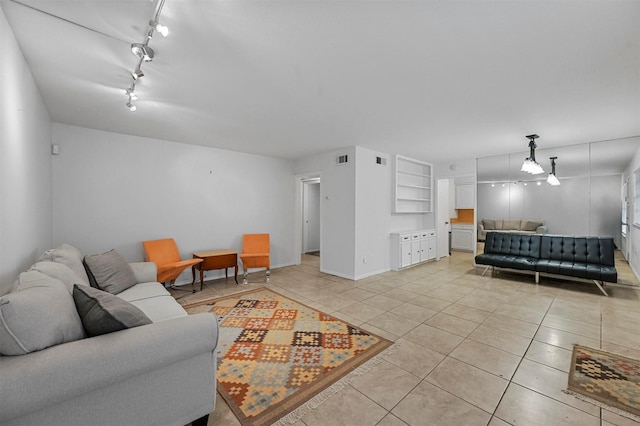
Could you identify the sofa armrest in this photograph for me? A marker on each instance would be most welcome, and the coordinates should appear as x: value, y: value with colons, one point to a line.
x: 541, y: 229
x: 144, y: 271
x: 480, y: 227
x: 44, y: 378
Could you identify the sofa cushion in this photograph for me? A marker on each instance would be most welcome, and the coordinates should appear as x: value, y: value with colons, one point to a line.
x: 499, y: 224
x: 67, y: 255
x: 529, y: 225
x: 109, y: 272
x: 103, y: 313
x: 489, y: 225
x: 40, y: 313
x: 60, y: 272
x: 513, y: 225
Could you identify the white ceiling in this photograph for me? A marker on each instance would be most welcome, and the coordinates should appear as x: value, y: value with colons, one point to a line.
x: 437, y: 80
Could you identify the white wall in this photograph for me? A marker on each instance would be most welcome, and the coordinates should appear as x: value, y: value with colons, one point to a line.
x: 579, y: 206
x: 25, y: 164
x: 115, y: 191
x: 633, y: 235
x: 338, y: 206
x: 373, y: 213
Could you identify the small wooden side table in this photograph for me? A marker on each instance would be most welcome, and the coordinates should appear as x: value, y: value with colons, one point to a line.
x: 215, y: 259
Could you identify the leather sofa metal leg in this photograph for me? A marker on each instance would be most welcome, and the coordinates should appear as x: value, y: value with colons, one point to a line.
x: 485, y: 270
x: 537, y: 277
x: 601, y: 287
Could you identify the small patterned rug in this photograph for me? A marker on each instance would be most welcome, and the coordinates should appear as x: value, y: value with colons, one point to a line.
x: 274, y: 353
x: 605, y: 378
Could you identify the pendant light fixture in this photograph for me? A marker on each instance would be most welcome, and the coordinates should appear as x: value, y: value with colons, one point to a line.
x: 530, y: 165
x: 552, y: 179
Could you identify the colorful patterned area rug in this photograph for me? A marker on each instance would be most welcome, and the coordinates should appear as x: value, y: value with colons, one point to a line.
x: 609, y: 380
x: 274, y: 353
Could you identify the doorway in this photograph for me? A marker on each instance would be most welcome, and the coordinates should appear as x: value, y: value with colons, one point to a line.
x: 311, y: 216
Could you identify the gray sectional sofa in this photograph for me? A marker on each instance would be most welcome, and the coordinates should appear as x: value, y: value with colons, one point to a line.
x: 159, y: 368
x: 521, y: 226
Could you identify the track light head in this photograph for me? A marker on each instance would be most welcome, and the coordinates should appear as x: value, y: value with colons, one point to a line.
x: 137, y: 74
x: 131, y: 106
x: 131, y: 93
x: 162, y: 29
x: 143, y: 51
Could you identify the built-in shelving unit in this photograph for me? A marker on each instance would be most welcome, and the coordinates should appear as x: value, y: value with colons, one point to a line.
x: 413, y: 187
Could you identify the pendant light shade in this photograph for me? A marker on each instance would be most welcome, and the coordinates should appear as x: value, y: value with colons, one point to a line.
x: 552, y: 179
x: 530, y: 165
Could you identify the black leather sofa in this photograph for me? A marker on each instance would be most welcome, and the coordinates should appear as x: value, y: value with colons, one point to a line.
x: 590, y: 258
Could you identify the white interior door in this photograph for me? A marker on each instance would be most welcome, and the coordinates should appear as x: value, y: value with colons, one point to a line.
x: 443, y: 225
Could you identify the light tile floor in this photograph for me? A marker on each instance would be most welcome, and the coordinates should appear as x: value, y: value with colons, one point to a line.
x: 468, y: 349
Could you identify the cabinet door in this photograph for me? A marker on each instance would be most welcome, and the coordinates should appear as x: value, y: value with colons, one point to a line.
x: 415, y: 251
x: 431, y: 248
x: 462, y: 239
x: 465, y: 195
x: 405, y: 254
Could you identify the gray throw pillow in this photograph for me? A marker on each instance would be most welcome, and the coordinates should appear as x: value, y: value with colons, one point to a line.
x: 103, y: 313
x: 489, y: 225
x: 40, y: 313
x: 109, y: 272
x: 530, y: 225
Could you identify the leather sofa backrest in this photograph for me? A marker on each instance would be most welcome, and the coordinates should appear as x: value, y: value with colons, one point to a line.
x: 513, y: 243
x: 594, y: 250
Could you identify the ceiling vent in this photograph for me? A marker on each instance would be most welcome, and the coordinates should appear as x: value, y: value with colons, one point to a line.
x: 342, y: 159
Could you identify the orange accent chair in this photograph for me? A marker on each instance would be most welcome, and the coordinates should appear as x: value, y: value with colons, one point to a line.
x: 255, y: 254
x: 164, y: 253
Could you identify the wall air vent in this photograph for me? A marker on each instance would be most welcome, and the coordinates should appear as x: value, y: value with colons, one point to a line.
x: 382, y: 161
x: 342, y: 159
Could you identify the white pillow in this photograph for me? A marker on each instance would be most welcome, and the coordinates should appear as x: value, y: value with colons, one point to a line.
x: 60, y: 272
x: 67, y: 255
x: 39, y: 314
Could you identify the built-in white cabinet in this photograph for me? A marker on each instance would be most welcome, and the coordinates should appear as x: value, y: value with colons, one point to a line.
x: 412, y: 247
x: 413, y: 186
x: 462, y: 237
x: 465, y: 197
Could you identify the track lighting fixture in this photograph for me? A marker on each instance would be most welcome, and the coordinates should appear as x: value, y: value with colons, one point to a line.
x: 552, y: 179
x: 162, y: 29
x: 137, y: 74
x: 530, y: 165
x: 144, y: 52
x: 131, y: 93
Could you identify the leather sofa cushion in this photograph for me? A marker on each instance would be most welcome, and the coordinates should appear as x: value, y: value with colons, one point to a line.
x: 527, y: 245
x: 592, y: 250
x: 507, y: 261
